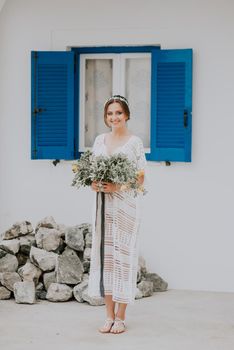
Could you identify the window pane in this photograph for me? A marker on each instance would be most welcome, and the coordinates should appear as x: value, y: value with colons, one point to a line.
x: 137, y: 82
x: 98, y: 87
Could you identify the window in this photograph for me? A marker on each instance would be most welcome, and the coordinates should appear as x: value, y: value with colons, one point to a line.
x: 102, y: 75
x: 69, y: 90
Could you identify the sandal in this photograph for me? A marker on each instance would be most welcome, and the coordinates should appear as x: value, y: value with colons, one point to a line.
x: 107, y: 325
x: 119, y: 326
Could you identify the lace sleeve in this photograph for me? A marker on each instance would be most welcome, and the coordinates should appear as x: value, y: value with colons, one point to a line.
x: 140, y: 156
x: 141, y: 162
x: 96, y: 144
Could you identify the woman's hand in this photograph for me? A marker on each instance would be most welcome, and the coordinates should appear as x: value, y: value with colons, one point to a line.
x: 106, y: 186
x: 94, y: 186
x: 111, y: 187
x: 141, y: 176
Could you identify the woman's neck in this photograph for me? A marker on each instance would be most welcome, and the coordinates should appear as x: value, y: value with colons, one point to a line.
x: 118, y: 133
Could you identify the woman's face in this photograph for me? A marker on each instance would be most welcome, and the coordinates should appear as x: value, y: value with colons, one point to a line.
x: 115, y: 115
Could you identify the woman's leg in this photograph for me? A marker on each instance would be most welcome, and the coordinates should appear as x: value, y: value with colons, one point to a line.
x: 121, y: 310
x: 110, y: 311
x: 119, y: 326
x: 110, y: 306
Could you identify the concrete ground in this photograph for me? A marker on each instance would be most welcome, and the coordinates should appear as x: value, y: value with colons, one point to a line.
x: 171, y: 320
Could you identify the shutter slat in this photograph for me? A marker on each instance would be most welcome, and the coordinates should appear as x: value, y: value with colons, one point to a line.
x: 53, y: 92
x: 171, y: 95
x: 174, y: 94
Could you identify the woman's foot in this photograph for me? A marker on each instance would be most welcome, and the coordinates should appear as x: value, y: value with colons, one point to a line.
x: 107, y: 325
x: 118, y: 326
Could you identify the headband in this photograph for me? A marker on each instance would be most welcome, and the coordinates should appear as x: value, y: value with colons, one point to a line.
x: 117, y: 97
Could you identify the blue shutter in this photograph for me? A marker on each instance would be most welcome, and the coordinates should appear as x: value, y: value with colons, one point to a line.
x: 171, y: 105
x: 52, y: 105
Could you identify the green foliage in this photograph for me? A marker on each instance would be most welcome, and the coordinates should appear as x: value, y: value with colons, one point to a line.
x: 116, y: 168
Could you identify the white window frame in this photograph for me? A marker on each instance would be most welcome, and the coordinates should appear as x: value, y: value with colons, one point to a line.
x: 119, y: 61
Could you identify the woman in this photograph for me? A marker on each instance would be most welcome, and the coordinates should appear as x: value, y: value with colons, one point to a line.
x: 122, y: 219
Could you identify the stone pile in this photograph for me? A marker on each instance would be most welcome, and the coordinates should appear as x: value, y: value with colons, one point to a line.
x: 52, y: 262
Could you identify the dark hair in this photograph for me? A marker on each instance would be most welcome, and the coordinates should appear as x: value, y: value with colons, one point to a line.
x: 122, y: 101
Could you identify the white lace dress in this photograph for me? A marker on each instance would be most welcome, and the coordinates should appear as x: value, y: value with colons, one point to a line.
x: 121, y: 237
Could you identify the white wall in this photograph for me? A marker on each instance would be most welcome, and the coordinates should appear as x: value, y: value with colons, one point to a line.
x: 2, y: 2
x: 187, y: 229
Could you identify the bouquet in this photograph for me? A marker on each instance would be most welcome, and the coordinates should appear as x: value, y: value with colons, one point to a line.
x: 82, y: 170
x: 116, y: 168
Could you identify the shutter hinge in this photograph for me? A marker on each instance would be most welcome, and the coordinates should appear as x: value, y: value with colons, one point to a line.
x: 56, y: 161
x: 38, y: 110
x: 185, y: 118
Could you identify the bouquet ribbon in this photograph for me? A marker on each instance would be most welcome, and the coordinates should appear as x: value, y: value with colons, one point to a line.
x: 100, y: 231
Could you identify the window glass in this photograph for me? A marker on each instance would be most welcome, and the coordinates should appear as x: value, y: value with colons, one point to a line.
x: 137, y: 85
x: 98, y: 87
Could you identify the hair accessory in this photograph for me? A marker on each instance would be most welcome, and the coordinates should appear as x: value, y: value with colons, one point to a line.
x: 117, y: 97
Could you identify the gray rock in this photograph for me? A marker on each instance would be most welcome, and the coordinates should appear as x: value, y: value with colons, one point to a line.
x: 62, y: 228
x: 74, y: 237
x: 79, y: 289
x: 48, y: 238
x: 85, y: 276
x: 86, y: 265
x: 4, y: 293
x: 59, y: 292
x: 48, y: 278
x: 80, y: 255
x: 91, y: 300
x: 86, y: 228
x: 48, y: 222
x: 22, y: 259
x: 40, y: 291
x: 18, y: 229
x: 88, y: 240
x: 26, y: 242
x: 10, y: 246
x: 142, y: 265
x: 139, y: 275
x: 146, y: 287
x: 61, y: 247
x: 139, y: 294
x: 8, y: 262
x: 24, y: 292
x: 46, y: 261
x: 39, y: 287
x: 9, y: 278
x: 30, y: 272
x: 69, y: 268
x: 159, y: 284
x: 87, y: 253
x: 141, y: 269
